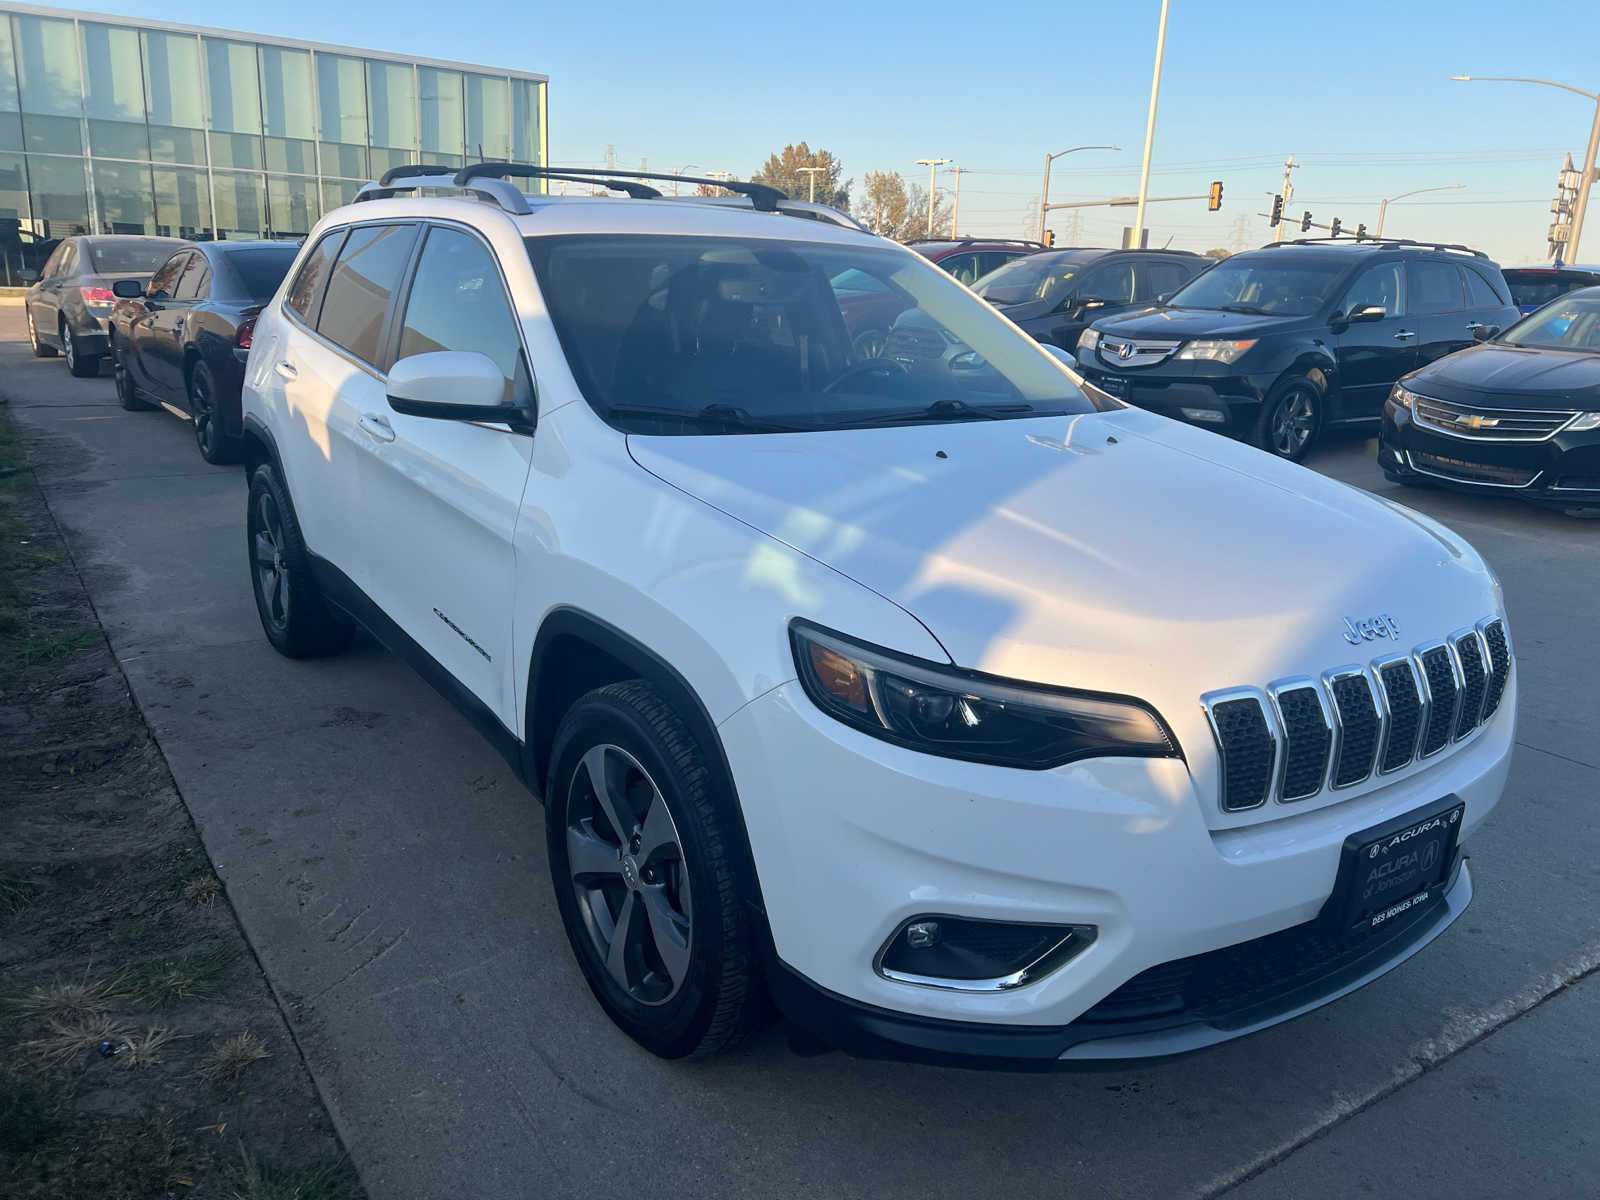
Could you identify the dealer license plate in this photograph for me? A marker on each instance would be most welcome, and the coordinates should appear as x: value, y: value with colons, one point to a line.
x: 1396, y: 867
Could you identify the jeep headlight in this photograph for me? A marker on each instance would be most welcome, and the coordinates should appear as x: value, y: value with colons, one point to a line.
x: 1088, y: 340
x: 1216, y: 350
x: 962, y: 714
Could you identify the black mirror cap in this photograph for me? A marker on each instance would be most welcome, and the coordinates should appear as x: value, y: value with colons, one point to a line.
x: 127, y: 289
x: 1484, y: 332
x: 514, y: 415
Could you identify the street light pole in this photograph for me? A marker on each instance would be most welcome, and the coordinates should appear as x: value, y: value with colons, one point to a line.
x: 1044, y: 193
x: 1150, y: 127
x: 676, y: 171
x: 812, y: 172
x: 955, y: 206
x: 1582, y: 206
x: 1384, y: 207
x: 933, y: 165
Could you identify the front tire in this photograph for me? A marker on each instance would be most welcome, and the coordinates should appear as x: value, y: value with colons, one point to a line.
x: 40, y: 350
x: 640, y: 852
x: 127, y: 393
x: 79, y: 362
x: 295, y: 615
x: 1291, y: 419
x: 215, y: 446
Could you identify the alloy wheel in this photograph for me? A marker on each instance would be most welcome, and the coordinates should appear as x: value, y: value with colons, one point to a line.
x: 1294, y: 421
x: 628, y: 873
x: 33, y: 334
x: 66, y: 347
x: 203, y: 412
x: 266, y: 552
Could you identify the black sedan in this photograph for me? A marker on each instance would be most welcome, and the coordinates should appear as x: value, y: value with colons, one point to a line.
x: 1518, y: 415
x: 182, y: 340
x: 68, y: 307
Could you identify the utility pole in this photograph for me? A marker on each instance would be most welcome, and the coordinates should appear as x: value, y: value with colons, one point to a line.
x: 1150, y: 129
x: 679, y: 171
x: 1560, y: 236
x: 812, y: 172
x: 1044, y: 194
x: 955, y: 207
x: 933, y: 165
x: 1287, y: 193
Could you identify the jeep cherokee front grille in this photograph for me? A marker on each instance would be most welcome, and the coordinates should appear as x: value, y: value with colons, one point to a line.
x: 1298, y: 737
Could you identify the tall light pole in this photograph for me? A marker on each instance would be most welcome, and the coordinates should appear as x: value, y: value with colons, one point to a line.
x: 680, y: 171
x: 1384, y: 207
x: 933, y: 165
x: 812, y: 171
x: 955, y: 206
x: 1150, y: 127
x: 1044, y: 194
x: 1589, y: 156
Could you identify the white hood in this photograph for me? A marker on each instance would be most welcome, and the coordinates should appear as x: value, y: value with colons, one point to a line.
x: 1120, y: 552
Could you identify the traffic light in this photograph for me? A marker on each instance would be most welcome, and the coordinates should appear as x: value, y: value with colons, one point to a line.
x: 1361, y: 231
x: 1305, y: 221
x: 1277, y: 211
x: 1216, y: 195
x: 1333, y: 229
x: 1049, y: 237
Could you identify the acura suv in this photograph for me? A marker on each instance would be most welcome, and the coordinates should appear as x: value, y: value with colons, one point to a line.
x: 914, y: 699
x: 1276, y: 345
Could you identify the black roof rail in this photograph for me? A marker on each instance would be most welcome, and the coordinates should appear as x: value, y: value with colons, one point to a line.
x: 763, y: 197
x: 402, y: 172
x: 413, y: 178
x: 1378, y: 241
x: 985, y: 241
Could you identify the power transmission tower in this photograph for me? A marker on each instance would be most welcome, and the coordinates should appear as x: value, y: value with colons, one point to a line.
x: 1287, y: 194
x: 1240, y: 232
x: 611, y: 156
x: 1075, y: 228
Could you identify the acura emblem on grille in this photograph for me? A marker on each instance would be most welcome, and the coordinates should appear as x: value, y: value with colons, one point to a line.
x: 1126, y: 350
x: 1380, y: 626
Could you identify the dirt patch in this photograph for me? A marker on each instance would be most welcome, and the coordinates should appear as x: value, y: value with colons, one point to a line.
x: 141, y: 1051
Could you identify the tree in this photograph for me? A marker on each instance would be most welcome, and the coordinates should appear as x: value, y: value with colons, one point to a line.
x: 884, y: 202
x: 1218, y: 252
x: 782, y: 171
x: 916, y: 225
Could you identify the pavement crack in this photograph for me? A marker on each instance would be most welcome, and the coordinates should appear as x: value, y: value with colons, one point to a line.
x: 361, y: 966
x: 1461, y: 1032
x: 1577, y: 762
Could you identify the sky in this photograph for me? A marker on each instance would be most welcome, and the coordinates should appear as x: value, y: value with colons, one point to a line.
x: 1359, y: 92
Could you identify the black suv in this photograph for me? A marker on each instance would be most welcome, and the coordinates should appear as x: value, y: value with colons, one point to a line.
x: 1277, y: 344
x: 1056, y: 294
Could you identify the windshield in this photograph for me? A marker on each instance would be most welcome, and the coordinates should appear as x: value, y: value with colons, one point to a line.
x: 1035, y: 277
x: 685, y: 335
x: 261, y: 270
x: 127, y: 255
x: 1267, y: 284
x: 1569, y: 325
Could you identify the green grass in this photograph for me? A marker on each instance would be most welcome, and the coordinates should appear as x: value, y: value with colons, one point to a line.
x: 40, y: 646
x: 157, y: 982
x: 254, y: 1180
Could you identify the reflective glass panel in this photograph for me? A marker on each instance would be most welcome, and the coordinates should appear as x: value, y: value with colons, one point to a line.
x: 8, y: 70
x: 292, y: 207
x: 342, y: 115
x: 488, y: 118
x: 440, y: 102
x: 113, y: 78
x: 233, y: 88
x: 60, y: 204
x: 172, y: 78
x: 183, y: 203
x: 391, y: 105
x: 125, y: 197
x: 525, y: 99
x: 47, y: 66
x: 241, y: 204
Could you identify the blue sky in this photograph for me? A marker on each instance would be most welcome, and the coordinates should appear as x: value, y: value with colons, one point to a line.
x: 1358, y: 91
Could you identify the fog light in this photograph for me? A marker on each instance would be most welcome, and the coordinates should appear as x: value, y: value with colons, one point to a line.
x: 1209, y: 415
x: 978, y: 956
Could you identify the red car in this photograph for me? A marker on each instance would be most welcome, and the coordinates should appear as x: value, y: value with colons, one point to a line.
x: 869, y: 308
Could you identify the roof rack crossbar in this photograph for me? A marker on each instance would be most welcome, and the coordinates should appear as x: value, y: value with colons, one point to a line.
x: 1385, y: 241
x: 986, y: 241
x: 410, y: 169
x: 763, y: 197
x: 407, y: 179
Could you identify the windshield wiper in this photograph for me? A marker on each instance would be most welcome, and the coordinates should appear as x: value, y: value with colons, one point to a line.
x: 729, y: 416
x: 942, y: 408
x: 1251, y: 309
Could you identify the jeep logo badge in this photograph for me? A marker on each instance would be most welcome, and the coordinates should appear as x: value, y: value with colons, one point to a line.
x: 1369, y: 630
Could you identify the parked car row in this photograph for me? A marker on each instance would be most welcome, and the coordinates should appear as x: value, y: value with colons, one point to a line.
x: 175, y: 318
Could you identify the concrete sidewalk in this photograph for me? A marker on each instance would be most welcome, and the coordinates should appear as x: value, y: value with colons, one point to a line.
x: 390, y: 874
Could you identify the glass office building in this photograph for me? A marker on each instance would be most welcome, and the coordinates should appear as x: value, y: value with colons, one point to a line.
x: 121, y: 125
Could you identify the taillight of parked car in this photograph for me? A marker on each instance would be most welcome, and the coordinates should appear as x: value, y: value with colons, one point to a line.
x: 97, y: 295
x: 247, y: 329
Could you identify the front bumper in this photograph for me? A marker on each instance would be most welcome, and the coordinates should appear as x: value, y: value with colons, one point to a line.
x: 852, y: 837
x: 1170, y: 389
x: 1560, y: 472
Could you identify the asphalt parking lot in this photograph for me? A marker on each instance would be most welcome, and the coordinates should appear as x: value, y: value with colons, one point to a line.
x: 390, y: 875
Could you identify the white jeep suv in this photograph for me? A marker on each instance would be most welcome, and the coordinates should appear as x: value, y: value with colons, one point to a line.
x: 958, y: 707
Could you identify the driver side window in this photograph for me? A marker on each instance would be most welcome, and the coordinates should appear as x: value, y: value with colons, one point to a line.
x: 165, y: 279
x: 1382, y: 286
x: 1113, y: 284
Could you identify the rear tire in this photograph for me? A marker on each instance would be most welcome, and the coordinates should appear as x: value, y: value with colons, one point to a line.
x: 1291, y: 419
x: 40, y: 350
x: 295, y: 615
x: 664, y: 939
x: 215, y: 446
x: 79, y: 362
x: 127, y: 393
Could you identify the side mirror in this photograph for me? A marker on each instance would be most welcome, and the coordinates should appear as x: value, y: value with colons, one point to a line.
x: 1483, y: 333
x: 1366, y: 312
x: 1161, y: 300
x: 451, y: 385
x: 127, y: 289
x: 1089, y: 302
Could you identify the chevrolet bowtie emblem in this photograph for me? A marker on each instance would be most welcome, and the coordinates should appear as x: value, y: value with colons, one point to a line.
x: 1474, y: 421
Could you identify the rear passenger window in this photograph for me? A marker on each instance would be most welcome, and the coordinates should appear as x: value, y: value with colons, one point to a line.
x: 458, y: 303
x: 1480, y: 292
x: 1433, y: 287
x: 1159, y: 278
x: 364, y: 277
x: 165, y: 281
x: 195, y: 282
x: 307, y: 287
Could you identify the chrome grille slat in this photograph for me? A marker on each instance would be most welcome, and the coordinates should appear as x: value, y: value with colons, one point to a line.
x: 1301, y: 736
x: 1482, y: 424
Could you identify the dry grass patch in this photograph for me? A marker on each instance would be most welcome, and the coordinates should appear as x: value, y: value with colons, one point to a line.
x: 66, y: 1001
x: 254, y: 1180
x: 161, y: 981
x: 228, y: 1059
x: 69, y: 1039
x: 202, y: 891
x: 143, y: 1049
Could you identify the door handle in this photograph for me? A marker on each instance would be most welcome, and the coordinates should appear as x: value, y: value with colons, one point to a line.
x: 1404, y: 335
x: 1474, y: 326
x: 287, y: 370
x: 377, y: 426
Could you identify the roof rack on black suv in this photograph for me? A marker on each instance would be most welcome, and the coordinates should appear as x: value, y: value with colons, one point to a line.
x: 489, y: 181
x: 1275, y: 345
x: 1376, y: 241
